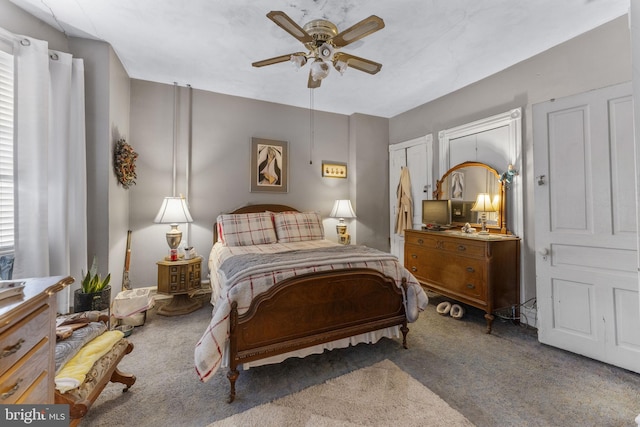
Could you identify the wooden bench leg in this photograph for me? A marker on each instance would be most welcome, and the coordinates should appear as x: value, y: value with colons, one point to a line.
x: 120, y: 377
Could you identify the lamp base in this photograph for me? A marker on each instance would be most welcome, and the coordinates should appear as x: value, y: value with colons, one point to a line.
x: 344, y: 239
x: 180, y: 304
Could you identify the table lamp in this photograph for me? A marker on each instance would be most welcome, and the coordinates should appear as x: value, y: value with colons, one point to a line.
x: 342, y: 209
x: 174, y: 210
x: 483, y: 205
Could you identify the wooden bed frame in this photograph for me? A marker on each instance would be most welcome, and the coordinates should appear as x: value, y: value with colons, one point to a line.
x: 312, y: 309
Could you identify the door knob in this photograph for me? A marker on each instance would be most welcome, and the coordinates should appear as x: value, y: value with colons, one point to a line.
x: 544, y: 252
x: 541, y: 179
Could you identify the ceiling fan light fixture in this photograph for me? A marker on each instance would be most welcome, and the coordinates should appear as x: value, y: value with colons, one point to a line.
x: 341, y: 66
x: 325, y: 51
x: 319, y: 69
x: 298, y: 60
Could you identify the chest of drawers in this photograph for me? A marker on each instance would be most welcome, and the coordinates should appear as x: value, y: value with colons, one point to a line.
x: 179, y: 277
x: 481, y: 271
x: 27, y: 342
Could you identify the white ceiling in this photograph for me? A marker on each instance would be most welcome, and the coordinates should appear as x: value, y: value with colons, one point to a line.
x: 428, y: 48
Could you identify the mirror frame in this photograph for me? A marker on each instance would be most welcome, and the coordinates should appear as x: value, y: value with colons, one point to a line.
x: 501, y: 226
x: 512, y: 119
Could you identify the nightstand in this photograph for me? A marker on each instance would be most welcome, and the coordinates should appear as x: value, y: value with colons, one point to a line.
x: 178, y: 279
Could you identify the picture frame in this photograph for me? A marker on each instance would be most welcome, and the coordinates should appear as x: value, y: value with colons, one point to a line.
x: 269, y: 166
x: 334, y: 169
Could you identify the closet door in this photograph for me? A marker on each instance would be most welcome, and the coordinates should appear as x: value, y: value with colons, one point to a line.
x: 416, y: 155
x: 586, y: 261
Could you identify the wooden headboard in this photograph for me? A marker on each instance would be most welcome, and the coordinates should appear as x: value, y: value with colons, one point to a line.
x: 254, y: 209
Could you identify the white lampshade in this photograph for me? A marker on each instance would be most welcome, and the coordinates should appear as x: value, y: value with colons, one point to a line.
x: 483, y: 203
x: 174, y: 210
x: 319, y: 69
x: 342, y: 209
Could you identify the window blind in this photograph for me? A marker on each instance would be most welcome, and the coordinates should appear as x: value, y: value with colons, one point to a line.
x: 6, y: 152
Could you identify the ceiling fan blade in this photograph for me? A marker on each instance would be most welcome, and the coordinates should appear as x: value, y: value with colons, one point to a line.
x: 358, y: 63
x: 357, y: 31
x: 276, y: 60
x: 283, y: 21
x: 313, y: 84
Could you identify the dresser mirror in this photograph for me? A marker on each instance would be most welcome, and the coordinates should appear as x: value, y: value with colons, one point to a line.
x: 462, y: 184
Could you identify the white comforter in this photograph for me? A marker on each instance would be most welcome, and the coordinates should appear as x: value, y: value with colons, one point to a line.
x: 244, y: 287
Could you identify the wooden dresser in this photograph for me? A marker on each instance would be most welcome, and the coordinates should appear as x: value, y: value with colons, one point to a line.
x: 481, y: 271
x: 28, y: 340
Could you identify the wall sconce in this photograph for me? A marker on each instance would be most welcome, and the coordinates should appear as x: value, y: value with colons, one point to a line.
x: 483, y: 204
x: 342, y: 209
x: 507, y: 177
x: 174, y: 210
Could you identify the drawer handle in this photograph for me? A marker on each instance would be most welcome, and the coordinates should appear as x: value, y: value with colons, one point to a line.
x: 462, y: 248
x: 8, y: 351
x: 414, y: 256
x: 414, y: 269
x: 420, y: 241
x: 12, y: 391
x: 471, y: 286
x: 470, y: 269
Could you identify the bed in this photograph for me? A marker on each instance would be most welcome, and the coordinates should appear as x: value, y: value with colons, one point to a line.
x: 280, y: 290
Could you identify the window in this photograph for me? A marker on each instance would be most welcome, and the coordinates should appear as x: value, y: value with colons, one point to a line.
x: 6, y: 153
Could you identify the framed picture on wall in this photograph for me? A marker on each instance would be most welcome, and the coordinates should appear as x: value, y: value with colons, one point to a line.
x: 269, y: 165
x: 334, y: 169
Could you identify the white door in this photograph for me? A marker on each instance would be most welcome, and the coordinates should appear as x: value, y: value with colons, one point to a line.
x: 417, y: 156
x: 585, y: 229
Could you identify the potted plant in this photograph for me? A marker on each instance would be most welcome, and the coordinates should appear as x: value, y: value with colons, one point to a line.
x: 95, y: 292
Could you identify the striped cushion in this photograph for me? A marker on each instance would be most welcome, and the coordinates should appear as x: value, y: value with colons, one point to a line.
x: 246, y: 229
x: 297, y: 227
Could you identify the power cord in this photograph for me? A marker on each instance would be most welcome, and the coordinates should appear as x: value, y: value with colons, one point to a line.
x: 509, y: 313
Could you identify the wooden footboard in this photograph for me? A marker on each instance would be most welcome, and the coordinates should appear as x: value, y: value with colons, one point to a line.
x: 313, y: 309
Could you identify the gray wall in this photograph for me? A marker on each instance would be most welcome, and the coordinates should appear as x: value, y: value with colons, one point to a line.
x: 599, y: 58
x: 222, y: 128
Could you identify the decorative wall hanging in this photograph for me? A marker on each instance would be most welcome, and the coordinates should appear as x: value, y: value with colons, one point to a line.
x: 334, y: 170
x: 269, y: 165
x: 124, y: 163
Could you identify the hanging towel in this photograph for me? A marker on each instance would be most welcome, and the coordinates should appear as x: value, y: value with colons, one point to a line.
x: 404, y: 215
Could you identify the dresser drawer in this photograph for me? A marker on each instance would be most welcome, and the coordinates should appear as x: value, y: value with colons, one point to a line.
x: 21, y: 337
x: 442, y: 272
x: 442, y: 242
x: 21, y: 383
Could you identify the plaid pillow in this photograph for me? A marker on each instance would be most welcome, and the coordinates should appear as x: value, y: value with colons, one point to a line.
x: 296, y: 227
x: 246, y: 229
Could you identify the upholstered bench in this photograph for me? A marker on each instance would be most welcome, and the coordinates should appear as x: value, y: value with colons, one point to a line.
x: 102, y: 371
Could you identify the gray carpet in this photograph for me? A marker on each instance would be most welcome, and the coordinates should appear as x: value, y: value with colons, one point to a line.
x: 504, y: 379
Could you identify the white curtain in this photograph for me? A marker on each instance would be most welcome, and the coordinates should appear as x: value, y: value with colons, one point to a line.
x: 50, y: 165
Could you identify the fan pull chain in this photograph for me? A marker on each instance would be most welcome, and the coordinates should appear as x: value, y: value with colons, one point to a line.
x: 311, y: 127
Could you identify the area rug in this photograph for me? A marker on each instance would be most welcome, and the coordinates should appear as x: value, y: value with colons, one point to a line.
x: 379, y: 395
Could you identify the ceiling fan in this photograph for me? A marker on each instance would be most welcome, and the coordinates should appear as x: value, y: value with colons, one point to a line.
x: 323, y: 40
